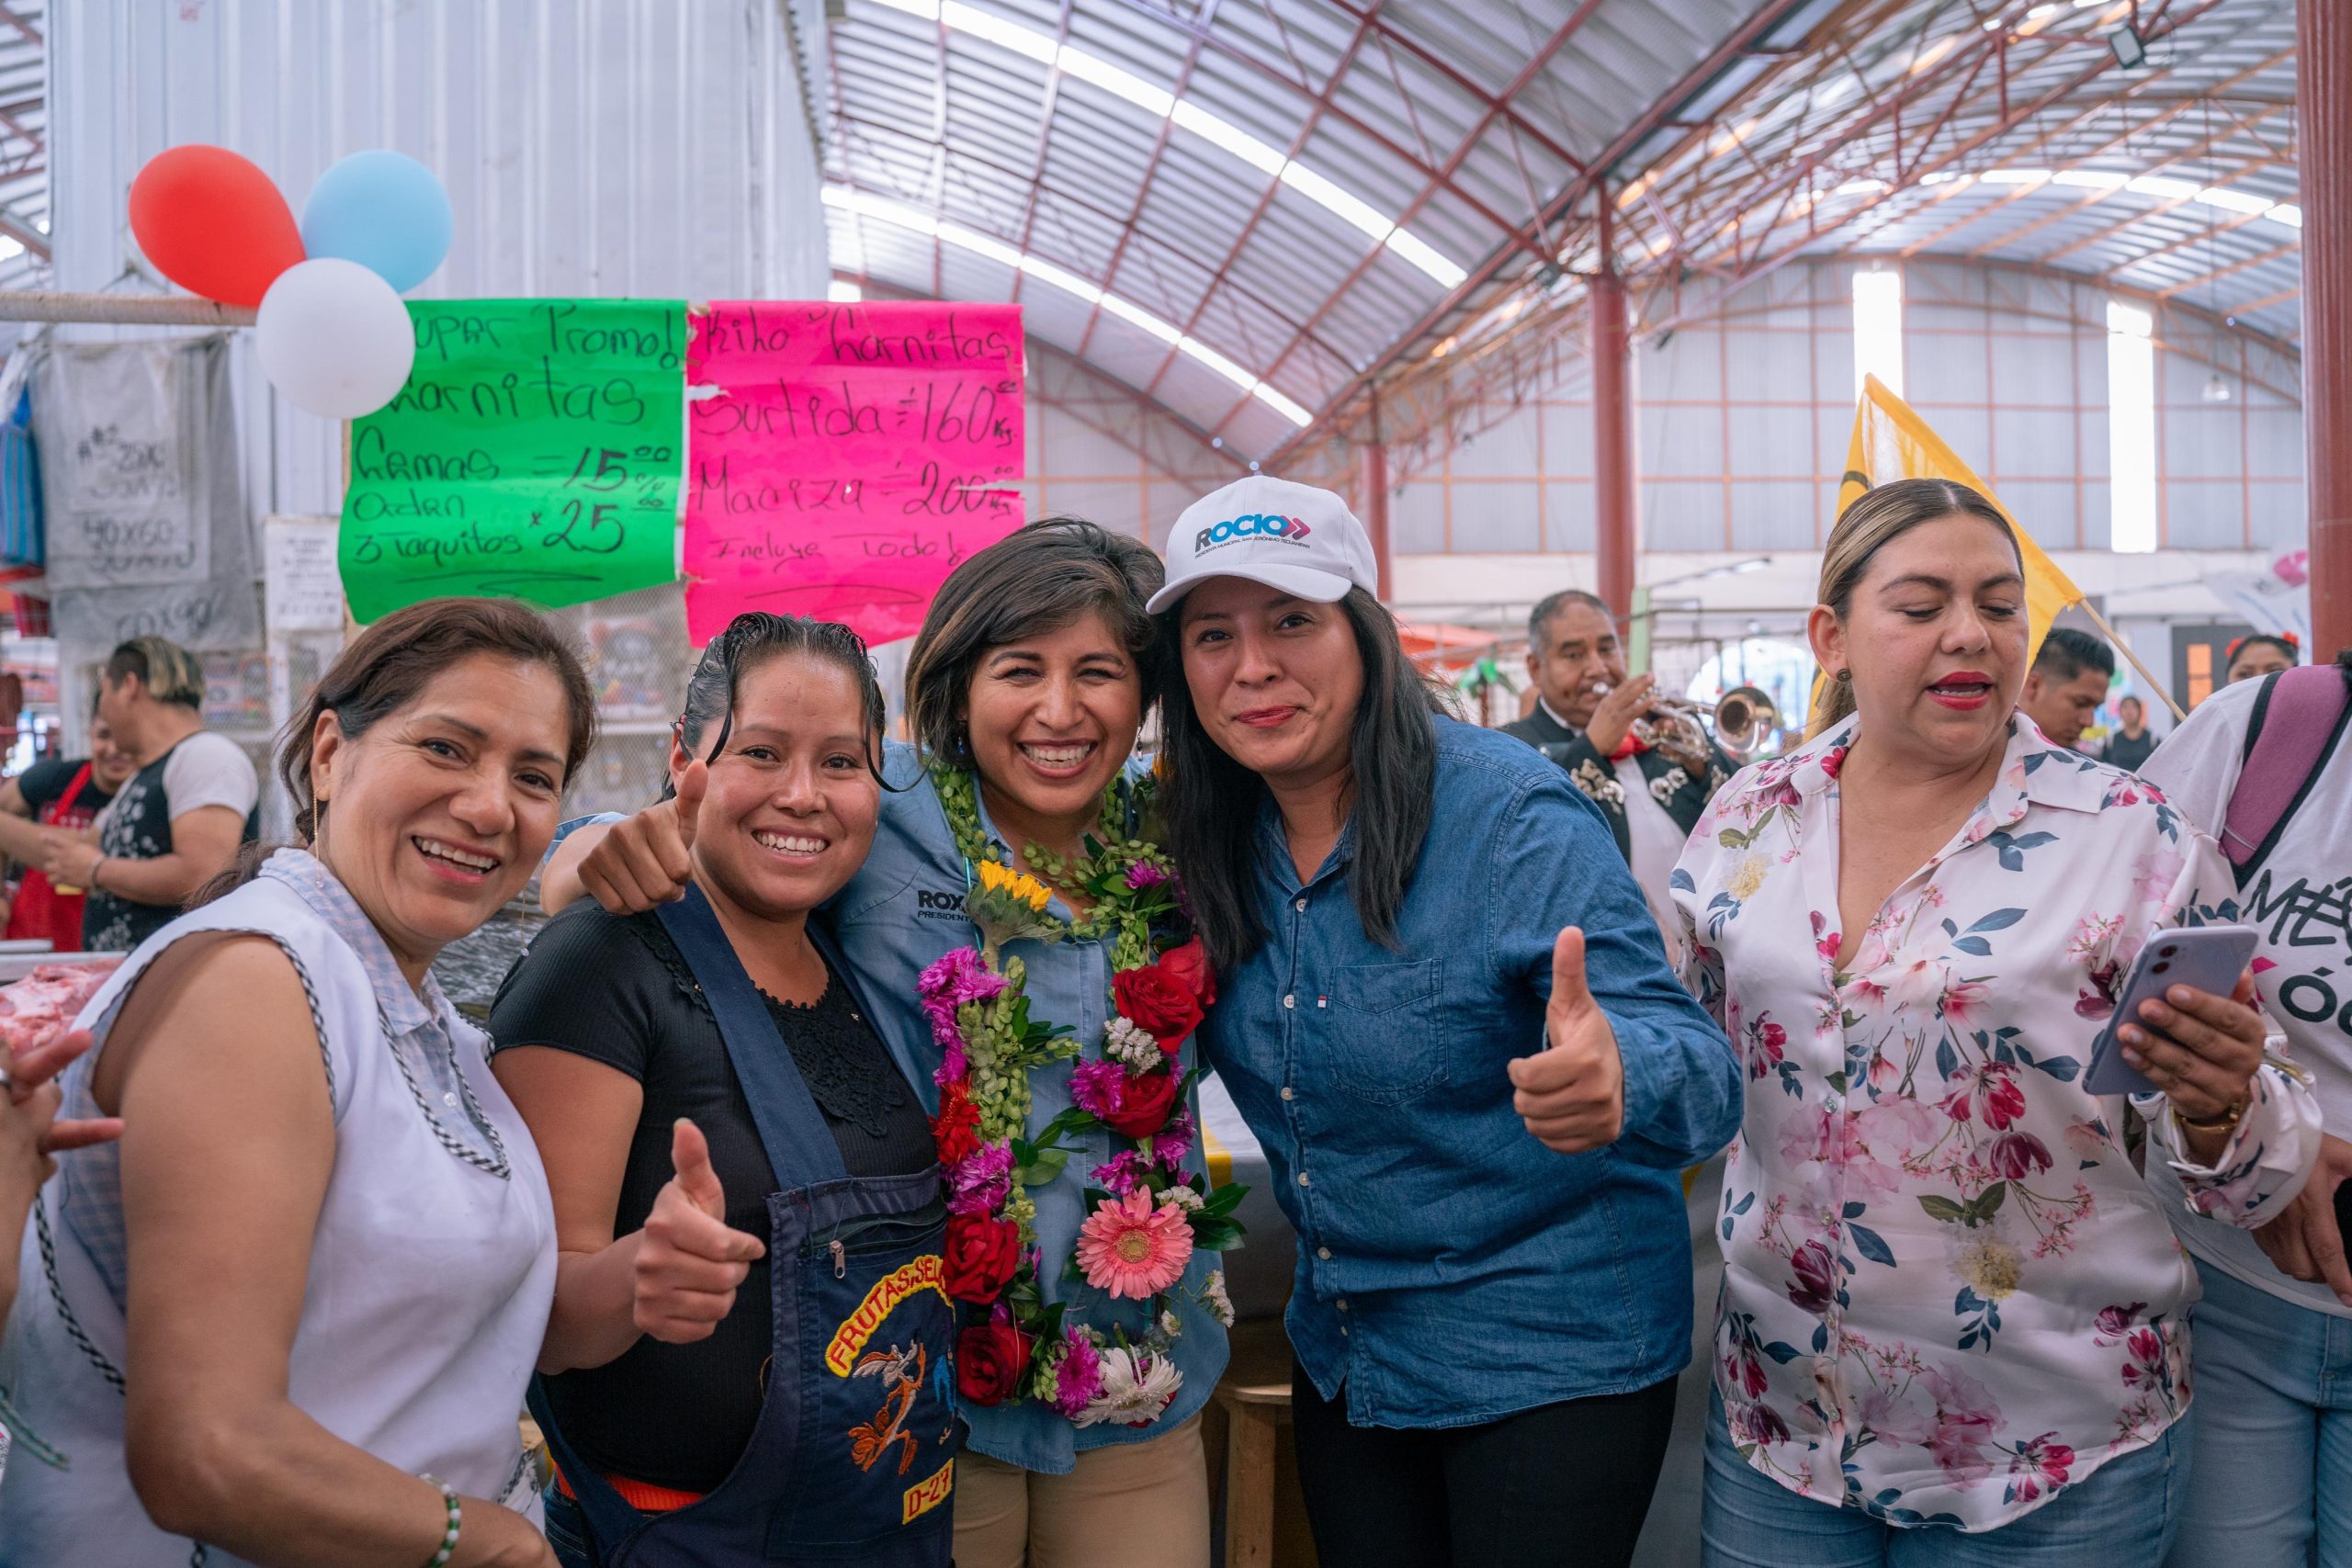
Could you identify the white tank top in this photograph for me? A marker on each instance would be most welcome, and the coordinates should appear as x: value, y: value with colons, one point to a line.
x: 430, y: 1282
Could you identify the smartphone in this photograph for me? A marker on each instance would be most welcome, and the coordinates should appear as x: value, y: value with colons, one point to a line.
x: 2208, y: 957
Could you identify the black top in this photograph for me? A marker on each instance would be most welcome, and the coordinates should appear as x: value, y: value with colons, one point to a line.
x: 616, y: 988
x: 45, y: 780
x: 141, y: 829
x: 2124, y: 752
x: 1595, y: 776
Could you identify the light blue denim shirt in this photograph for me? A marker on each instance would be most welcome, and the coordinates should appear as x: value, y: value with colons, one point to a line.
x: 1452, y: 1269
x: 902, y: 911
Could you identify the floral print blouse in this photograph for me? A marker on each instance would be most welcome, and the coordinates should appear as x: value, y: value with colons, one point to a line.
x: 1947, y: 1295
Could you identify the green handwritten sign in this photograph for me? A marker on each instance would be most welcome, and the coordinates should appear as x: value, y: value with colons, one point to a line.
x: 534, y: 454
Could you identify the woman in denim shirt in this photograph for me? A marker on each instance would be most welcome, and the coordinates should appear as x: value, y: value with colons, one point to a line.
x: 1475, y: 1117
x: 1032, y: 674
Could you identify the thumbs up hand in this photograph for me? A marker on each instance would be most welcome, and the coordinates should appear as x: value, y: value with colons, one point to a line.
x: 646, y: 858
x: 1572, y: 1095
x: 688, y: 1260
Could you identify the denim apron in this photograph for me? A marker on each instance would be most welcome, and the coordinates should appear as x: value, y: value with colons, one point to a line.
x: 853, y: 1456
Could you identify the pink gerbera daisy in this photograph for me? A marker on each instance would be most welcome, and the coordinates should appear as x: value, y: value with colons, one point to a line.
x: 1133, y: 1249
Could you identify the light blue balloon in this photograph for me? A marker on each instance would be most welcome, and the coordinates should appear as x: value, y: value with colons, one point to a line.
x: 384, y: 210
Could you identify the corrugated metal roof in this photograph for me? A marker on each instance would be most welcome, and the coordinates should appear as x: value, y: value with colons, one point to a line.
x: 2009, y: 134
x: 1270, y: 193
x: 24, y: 143
x: 1197, y: 197
x: 1748, y: 132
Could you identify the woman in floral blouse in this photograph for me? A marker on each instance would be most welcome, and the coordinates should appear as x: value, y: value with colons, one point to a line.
x: 1952, y: 1326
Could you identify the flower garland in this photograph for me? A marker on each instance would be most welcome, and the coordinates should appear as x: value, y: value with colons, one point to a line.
x: 1146, y: 1215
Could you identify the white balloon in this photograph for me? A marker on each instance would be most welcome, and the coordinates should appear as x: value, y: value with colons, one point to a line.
x: 334, y: 338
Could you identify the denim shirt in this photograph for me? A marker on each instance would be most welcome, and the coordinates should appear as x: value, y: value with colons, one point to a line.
x: 901, y: 912
x: 1452, y: 1269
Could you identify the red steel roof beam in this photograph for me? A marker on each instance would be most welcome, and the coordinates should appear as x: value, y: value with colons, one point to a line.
x: 1997, y: 129
x: 1495, y: 107
x: 1045, y: 140
x: 1461, y: 79
x: 964, y: 155
x: 1221, y: 277
x: 2195, y: 151
x: 1372, y: 133
x: 2323, y: 155
x: 1143, y: 188
x: 1483, y: 272
x: 2217, y: 274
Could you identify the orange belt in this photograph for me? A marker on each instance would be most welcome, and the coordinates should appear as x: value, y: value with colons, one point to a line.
x: 642, y: 1496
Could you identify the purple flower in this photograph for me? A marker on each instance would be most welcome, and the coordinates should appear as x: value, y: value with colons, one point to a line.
x: 1096, y: 1087
x: 1173, y: 1142
x: 1122, y: 1174
x: 953, y: 1067
x: 958, y: 977
x: 1079, y: 1380
x: 1143, y: 874
x: 980, y: 1184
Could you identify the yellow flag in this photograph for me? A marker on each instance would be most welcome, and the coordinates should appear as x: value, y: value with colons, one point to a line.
x: 1893, y: 443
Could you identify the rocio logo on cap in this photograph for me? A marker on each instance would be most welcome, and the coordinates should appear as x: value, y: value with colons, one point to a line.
x: 1257, y: 525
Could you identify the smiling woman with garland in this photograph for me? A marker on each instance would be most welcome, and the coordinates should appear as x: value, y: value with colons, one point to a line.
x: 1030, y: 957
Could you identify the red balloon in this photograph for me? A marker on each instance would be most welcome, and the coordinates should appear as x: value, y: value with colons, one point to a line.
x: 213, y: 223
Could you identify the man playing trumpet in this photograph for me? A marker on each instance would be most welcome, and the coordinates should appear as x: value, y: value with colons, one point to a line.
x: 1650, y: 769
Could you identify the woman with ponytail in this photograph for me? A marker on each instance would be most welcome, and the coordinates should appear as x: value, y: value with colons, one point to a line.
x: 1953, y: 1323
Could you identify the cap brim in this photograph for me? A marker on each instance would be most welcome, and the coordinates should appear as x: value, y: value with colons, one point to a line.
x: 1299, y: 582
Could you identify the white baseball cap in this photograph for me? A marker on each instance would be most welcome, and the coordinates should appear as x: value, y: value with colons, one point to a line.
x: 1296, y: 538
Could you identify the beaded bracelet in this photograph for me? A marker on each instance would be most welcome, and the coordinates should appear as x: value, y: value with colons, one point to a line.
x: 457, y: 1518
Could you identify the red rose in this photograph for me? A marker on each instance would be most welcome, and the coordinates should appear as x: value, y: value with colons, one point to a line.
x: 1189, y: 966
x: 1145, y: 1105
x: 1158, y: 1002
x: 957, y: 1129
x: 981, y: 1253
x: 990, y: 1361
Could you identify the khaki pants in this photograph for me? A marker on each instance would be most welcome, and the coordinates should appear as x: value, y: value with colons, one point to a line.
x: 1128, y: 1506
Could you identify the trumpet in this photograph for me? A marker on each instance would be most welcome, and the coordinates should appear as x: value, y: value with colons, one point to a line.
x: 1669, y: 724
x: 1743, y: 722
x: 1746, y: 719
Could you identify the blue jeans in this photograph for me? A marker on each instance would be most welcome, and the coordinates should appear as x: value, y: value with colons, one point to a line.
x: 2273, y: 1487
x: 2124, y: 1515
x: 568, y: 1531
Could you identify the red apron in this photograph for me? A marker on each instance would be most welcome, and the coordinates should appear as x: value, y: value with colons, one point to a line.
x: 40, y: 910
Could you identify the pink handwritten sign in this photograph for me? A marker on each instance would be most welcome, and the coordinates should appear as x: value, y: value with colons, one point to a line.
x: 845, y: 457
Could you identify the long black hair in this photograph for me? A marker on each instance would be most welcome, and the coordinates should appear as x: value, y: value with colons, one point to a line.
x: 1212, y: 802
x: 751, y: 640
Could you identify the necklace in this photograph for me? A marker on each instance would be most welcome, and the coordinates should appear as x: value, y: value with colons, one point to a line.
x: 1147, y: 1214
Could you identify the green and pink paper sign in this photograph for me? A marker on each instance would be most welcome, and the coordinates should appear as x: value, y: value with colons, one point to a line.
x: 834, y: 461
x: 843, y: 459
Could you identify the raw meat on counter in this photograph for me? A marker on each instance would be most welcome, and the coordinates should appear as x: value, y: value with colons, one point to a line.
x: 35, y: 1009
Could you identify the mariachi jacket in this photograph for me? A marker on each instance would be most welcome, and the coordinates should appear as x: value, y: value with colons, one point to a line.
x: 1684, y: 796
